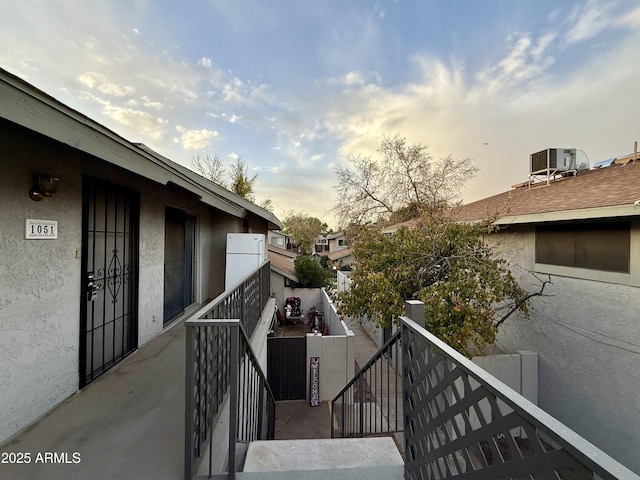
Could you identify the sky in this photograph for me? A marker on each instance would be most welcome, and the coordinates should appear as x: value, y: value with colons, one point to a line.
x: 296, y: 87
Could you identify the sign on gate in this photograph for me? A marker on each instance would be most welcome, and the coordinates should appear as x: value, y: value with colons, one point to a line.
x: 314, y: 381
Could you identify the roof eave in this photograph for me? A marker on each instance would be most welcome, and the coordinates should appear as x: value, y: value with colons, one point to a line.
x: 31, y: 108
x: 615, y: 211
x: 284, y: 273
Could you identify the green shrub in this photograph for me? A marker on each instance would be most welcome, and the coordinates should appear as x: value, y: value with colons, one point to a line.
x: 310, y: 273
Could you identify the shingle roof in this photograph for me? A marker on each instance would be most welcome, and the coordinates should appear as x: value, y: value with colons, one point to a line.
x: 616, y: 185
x: 342, y: 253
x: 282, y: 261
x: 282, y: 251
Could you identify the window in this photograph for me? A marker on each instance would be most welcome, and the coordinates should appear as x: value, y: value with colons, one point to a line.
x: 596, y: 246
x: 341, y: 242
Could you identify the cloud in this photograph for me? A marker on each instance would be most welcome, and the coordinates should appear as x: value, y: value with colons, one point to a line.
x: 630, y: 20
x: 205, y: 62
x: 590, y: 19
x: 194, y: 139
x: 99, y: 82
x: 151, y: 104
x: 348, y: 79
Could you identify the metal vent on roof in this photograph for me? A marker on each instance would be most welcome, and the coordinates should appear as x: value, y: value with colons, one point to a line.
x: 604, y: 163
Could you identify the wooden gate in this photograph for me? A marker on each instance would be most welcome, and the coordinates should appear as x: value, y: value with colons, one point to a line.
x: 286, y: 367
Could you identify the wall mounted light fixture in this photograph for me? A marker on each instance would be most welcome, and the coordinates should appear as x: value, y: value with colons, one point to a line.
x: 43, y: 186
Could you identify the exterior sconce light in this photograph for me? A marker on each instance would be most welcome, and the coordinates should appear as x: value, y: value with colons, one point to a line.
x: 43, y: 186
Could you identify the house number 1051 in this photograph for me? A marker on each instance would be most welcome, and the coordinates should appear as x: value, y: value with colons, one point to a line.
x: 41, y: 229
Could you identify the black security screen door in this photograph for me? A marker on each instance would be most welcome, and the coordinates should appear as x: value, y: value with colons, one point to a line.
x: 109, y: 301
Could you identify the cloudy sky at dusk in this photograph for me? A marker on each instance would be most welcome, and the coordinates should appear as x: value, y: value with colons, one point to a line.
x: 295, y: 87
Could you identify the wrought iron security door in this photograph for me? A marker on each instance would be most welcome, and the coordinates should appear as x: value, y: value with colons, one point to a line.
x: 109, y: 317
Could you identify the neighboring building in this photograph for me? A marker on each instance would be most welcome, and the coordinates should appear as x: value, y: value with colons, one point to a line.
x: 583, y: 233
x: 278, y: 239
x: 340, y: 259
x: 337, y: 241
x: 128, y: 244
x: 283, y: 273
x: 391, y: 229
x: 321, y: 246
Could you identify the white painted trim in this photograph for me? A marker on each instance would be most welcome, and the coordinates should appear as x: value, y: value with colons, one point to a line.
x: 584, y: 273
x: 581, y: 214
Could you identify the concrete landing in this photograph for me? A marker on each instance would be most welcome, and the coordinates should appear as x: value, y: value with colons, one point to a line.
x: 369, y: 473
x: 322, y: 454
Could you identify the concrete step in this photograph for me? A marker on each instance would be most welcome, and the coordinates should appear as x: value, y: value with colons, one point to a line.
x: 341, y: 458
x: 394, y: 472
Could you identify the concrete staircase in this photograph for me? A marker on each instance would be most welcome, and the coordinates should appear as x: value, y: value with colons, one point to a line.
x: 373, y: 458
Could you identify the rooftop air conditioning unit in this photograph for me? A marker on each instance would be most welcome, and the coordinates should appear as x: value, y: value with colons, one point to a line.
x: 558, y: 160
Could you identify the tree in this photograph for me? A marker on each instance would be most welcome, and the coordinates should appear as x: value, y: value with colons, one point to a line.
x: 467, y: 292
x: 240, y: 181
x: 267, y: 205
x: 303, y: 230
x: 236, y: 179
x: 310, y: 274
x: 403, y: 183
x: 211, y: 168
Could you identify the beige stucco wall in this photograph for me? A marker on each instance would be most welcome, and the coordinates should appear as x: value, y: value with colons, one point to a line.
x: 40, y: 280
x: 587, y: 336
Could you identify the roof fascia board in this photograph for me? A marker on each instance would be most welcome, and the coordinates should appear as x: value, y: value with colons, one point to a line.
x: 36, y: 111
x: 33, y: 109
x: 567, y: 215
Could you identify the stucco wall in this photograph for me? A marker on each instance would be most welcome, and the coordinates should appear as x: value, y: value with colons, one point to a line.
x: 586, y: 334
x: 40, y: 280
x: 309, y: 297
x: 277, y: 287
x: 336, y: 357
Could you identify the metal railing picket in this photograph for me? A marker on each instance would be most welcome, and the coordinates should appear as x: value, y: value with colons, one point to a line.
x: 459, y: 421
x: 218, y: 358
x: 363, y: 406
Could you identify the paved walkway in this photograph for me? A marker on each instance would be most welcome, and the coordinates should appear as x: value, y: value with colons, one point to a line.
x: 365, y: 347
x: 383, y: 383
x: 127, y: 424
x: 295, y: 419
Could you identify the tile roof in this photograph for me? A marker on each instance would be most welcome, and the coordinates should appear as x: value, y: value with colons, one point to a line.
x: 616, y: 185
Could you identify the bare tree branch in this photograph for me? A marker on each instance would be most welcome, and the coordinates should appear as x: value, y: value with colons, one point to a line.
x: 403, y: 183
x: 211, y: 168
x: 515, y: 306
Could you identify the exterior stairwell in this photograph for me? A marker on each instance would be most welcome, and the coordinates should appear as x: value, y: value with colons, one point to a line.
x: 335, y: 458
x: 417, y: 409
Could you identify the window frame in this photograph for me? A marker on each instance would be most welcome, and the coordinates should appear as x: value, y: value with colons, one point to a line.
x: 584, y: 244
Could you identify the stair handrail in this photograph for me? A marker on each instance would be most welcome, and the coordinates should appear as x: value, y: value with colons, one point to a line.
x: 212, y: 333
x: 339, y: 428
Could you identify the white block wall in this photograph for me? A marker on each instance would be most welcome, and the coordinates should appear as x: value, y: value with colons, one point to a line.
x: 336, y: 355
